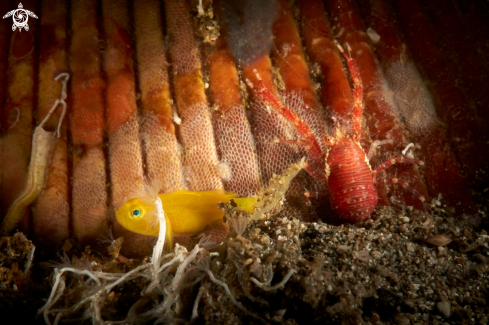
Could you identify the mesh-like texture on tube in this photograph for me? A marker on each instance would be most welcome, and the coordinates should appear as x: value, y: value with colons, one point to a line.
x: 183, y: 48
x: 200, y: 157
x: 196, y: 133
x: 89, y: 191
x: 89, y: 196
x: 125, y: 155
x: 163, y: 156
x: 412, y: 99
x: 239, y: 167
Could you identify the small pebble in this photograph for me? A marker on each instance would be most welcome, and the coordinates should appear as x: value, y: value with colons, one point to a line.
x: 342, y: 248
x: 401, y: 319
x: 444, y: 308
x: 409, y: 247
x: 439, y: 240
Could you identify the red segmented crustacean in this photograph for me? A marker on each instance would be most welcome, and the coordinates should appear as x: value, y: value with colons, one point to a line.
x: 351, y: 180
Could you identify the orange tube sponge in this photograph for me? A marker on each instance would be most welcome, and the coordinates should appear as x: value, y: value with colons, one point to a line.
x: 89, y: 192
x: 416, y: 108
x: 18, y: 114
x: 196, y: 132
x: 267, y: 126
x: 298, y: 93
x: 249, y: 38
x: 235, y: 142
x: 319, y: 44
x: 466, y: 139
x: 200, y: 164
x: 52, y: 212
x: 289, y: 59
x: 157, y: 130
x: 125, y: 156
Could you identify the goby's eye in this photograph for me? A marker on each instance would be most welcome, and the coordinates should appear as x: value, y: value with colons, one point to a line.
x: 136, y: 213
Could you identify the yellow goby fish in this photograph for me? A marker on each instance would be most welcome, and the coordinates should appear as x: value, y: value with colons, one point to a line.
x: 186, y: 212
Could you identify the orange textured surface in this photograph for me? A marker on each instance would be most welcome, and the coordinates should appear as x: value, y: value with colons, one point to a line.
x: 235, y: 143
x: 319, y: 45
x: 415, y: 106
x: 149, y: 98
x: 125, y: 155
x: 51, y: 212
x: 379, y: 111
x: 163, y: 154
x: 87, y: 83
x: 17, y: 114
x: 196, y: 132
x: 87, y: 125
x: 298, y: 92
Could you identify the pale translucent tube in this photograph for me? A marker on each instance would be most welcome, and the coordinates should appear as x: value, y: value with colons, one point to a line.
x: 42, y: 147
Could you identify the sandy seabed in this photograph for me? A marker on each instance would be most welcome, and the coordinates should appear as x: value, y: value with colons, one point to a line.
x: 398, y: 267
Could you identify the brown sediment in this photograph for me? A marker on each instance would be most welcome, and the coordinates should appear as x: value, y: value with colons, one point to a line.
x: 216, y: 231
x: 452, y: 108
x: 89, y: 192
x: 441, y: 171
x: 51, y: 213
x: 378, y: 110
x: 163, y: 157
x: 18, y: 115
x: 302, y: 257
x: 235, y: 142
x: 125, y: 156
x: 196, y: 133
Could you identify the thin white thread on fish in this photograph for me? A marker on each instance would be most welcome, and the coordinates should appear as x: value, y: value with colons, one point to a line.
x: 158, y: 248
